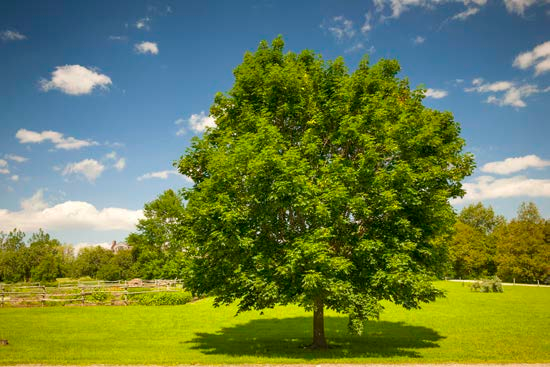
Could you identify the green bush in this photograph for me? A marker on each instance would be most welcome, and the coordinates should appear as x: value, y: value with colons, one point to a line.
x: 161, y: 298
x: 493, y: 284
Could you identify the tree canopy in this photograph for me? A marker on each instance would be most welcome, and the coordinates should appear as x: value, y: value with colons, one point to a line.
x: 321, y: 187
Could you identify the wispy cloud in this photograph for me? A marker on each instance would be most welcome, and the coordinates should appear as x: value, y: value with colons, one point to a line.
x: 340, y: 27
x: 398, y: 7
x: 519, y: 6
x: 58, y: 139
x: 147, y: 47
x: 539, y: 57
x: 144, y: 24
x: 162, y: 175
x: 16, y: 158
x: 9, y: 35
x: 118, y: 38
x: 90, y: 169
x: 515, y: 164
x: 418, y: 40
x: 463, y: 15
x: 75, y: 80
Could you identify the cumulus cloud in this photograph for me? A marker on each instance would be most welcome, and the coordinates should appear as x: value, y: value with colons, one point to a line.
x: 14, y: 178
x: 35, y: 213
x: 511, y: 165
x: 197, y: 122
x: 16, y: 158
x: 58, y: 139
x: 511, y: 93
x: 147, y: 47
x: 435, y: 93
x: 367, y: 26
x: 4, y: 167
x: 75, y: 80
x: 487, y: 187
x: 8, y: 35
x: 88, y: 168
x: 3, y: 163
x: 539, y: 57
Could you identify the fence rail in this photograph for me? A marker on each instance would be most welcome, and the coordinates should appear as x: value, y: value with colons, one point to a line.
x: 83, y: 292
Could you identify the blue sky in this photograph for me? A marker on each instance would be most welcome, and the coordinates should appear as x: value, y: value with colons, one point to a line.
x: 99, y: 98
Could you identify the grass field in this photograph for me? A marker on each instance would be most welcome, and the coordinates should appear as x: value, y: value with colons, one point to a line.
x: 464, y: 327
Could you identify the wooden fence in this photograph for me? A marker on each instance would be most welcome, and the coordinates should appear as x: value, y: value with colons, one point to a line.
x: 82, y: 292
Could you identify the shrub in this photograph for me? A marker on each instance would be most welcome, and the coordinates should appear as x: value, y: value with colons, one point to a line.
x: 161, y: 298
x: 493, y: 284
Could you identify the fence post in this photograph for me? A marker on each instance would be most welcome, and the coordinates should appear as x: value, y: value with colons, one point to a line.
x: 2, y: 289
x: 82, y: 295
x: 43, y: 301
x: 125, y: 295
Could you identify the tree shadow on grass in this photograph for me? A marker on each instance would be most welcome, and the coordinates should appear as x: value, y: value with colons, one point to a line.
x: 287, y: 338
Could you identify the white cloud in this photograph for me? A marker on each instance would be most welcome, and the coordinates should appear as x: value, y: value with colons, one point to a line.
x: 143, y: 23
x: 513, y: 95
x: 37, y: 214
x: 511, y: 165
x: 31, y: 137
x: 518, y: 6
x: 89, y: 168
x: 419, y: 40
x: 4, y: 171
x: 436, y: 93
x: 147, y: 47
x: 112, y: 155
x: 14, y: 178
x: 487, y: 187
x: 198, y: 122
x: 341, y: 28
x: 75, y: 80
x: 120, y: 164
x: 8, y: 35
x: 35, y: 202
x: 463, y: 15
x: 539, y: 57
x: 367, y: 27
x: 356, y: 47
x: 16, y: 158
x: 3, y: 163
x: 163, y: 175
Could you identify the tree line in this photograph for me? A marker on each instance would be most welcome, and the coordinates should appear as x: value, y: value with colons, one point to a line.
x: 483, y: 244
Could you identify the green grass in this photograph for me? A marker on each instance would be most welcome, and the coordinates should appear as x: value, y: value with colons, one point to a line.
x: 464, y: 327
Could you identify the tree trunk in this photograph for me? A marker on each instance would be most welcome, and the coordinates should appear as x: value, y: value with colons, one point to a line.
x: 319, y: 341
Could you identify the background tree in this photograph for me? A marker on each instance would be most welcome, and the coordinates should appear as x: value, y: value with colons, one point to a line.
x: 90, y: 260
x: 12, y: 256
x: 472, y: 249
x: 523, y: 247
x: 321, y: 188
x: 157, y: 248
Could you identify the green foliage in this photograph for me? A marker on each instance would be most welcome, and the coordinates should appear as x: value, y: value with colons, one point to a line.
x: 321, y: 186
x: 91, y: 260
x: 493, y: 284
x: 158, y: 246
x: 98, y: 295
x: 523, y: 247
x: 161, y: 298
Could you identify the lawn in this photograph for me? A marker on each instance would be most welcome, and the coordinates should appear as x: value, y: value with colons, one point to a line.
x: 464, y: 327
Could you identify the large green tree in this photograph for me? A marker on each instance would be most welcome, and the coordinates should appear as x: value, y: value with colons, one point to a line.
x: 321, y: 187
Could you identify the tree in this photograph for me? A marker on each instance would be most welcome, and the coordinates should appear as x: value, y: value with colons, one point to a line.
x: 158, y: 247
x: 321, y: 188
x: 472, y: 249
x: 12, y: 261
x: 523, y: 249
x: 91, y: 260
